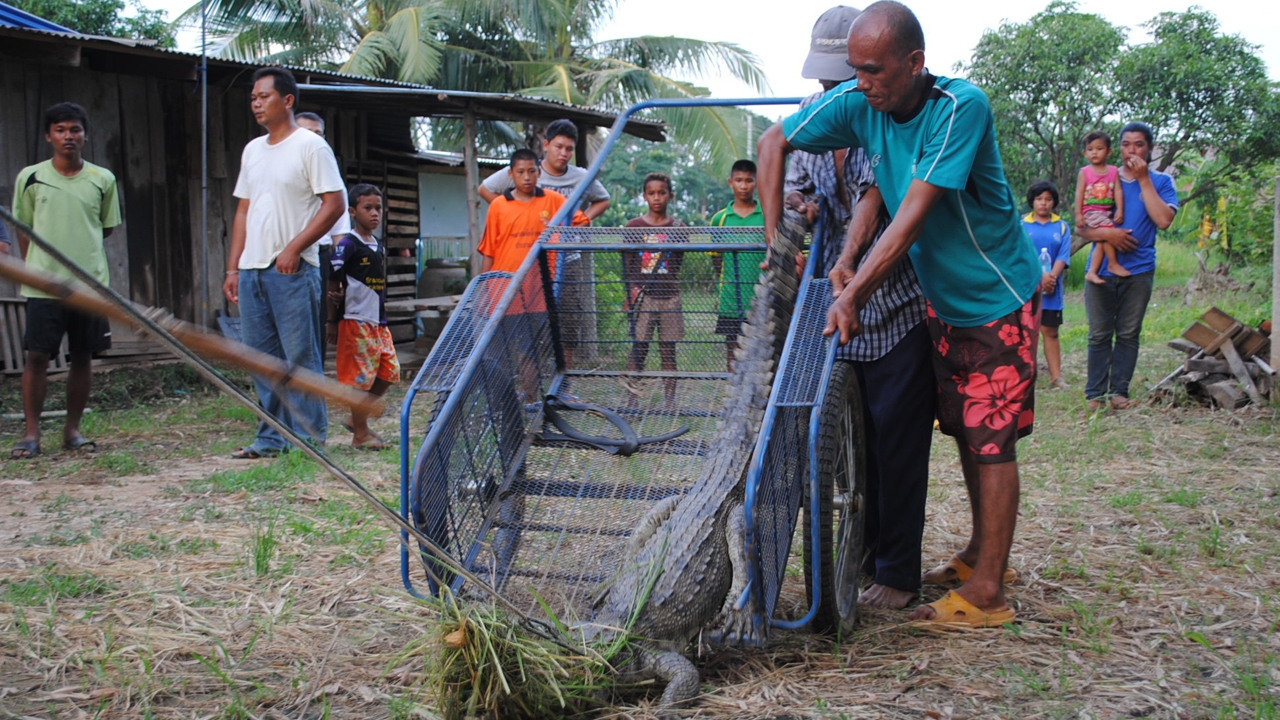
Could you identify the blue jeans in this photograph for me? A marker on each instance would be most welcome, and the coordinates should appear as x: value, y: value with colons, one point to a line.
x: 279, y: 315
x: 1115, y: 310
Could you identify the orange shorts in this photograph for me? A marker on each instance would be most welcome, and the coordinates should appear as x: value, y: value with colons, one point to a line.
x: 365, y: 353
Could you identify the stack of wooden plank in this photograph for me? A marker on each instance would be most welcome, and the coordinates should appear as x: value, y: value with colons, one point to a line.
x: 1225, y: 364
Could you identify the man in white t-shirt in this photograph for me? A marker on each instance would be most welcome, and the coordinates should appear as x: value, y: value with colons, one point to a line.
x: 291, y: 194
x: 314, y: 123
x: 557, y: 172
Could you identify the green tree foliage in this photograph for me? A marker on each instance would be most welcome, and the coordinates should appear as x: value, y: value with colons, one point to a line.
x: 699, y: 192
x: 1050, y: 81
x: 543, y: 48
x: 1064, y: 73
x: 1201, y: 91
x: 103, y: 17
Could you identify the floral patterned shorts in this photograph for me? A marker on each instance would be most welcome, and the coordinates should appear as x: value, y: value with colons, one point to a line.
x: 986, y: 380
x: 366, y: 352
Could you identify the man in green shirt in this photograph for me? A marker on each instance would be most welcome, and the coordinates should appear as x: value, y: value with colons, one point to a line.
x: 740, y: 270
x: 933, y: 149
x: 72, y: 204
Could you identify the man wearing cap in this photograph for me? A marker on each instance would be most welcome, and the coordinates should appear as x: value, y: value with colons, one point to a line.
x: 891, y: 356
x: 933, y: 149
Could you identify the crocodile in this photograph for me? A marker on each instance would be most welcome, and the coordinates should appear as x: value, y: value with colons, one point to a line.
x: 684, y: 567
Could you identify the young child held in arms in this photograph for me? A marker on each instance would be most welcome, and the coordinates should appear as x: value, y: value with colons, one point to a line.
x: 738, y: 271
x: 357, y: 300
x: 653, y: 283
x: 1099, y: 202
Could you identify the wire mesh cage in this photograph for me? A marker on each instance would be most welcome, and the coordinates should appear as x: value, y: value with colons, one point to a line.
x: 639, y: 322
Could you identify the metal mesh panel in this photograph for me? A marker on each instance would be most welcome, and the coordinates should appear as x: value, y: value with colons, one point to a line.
x: 786, y: 458
x: 482, y: 418
x: 549, y: 517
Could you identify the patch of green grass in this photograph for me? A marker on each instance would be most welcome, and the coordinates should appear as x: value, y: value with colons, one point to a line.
x: 123, y: 463
x: 1063, y: 568
x: 153, y: 546
x: 1133, y: 498
x: 282, y: 472
x: 63, y: 537
x: 1091, y: 627
x: 1210, y: 542
x: 1186, y: 497
x: 58, y: 505
x: 195, y: 546
x: 262, y: 548
x: 52, y: 584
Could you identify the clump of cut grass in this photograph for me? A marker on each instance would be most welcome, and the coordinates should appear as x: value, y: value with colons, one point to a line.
x: 489, y: 666
x: 262, y: 548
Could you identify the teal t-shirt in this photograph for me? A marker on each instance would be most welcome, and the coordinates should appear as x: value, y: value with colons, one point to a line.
x: 741, y: 270
x: 973, y: 257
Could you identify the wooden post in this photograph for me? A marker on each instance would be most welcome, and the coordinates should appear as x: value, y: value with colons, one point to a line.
x: 1275, y: 283
x: 472, y: 168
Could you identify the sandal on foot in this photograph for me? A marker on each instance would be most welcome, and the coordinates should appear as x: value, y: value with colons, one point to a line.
x: 250, y: 453
x: 956, y: 572
x: 373, y: 444
x: 953, y: 610
x: 80, y: 443
x: 25, y: 450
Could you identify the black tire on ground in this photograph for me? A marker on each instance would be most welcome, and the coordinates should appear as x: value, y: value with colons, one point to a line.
x: 842, y: 505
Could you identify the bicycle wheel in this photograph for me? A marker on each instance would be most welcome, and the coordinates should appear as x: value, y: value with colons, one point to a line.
x: 841, y: 505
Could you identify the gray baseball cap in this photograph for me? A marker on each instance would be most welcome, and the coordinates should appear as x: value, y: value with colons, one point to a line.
x: 829, y: 49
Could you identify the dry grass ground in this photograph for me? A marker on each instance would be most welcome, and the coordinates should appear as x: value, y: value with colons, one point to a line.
x: 159, y: 579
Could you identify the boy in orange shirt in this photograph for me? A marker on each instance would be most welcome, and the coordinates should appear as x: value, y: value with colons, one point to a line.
x: 515, y: 221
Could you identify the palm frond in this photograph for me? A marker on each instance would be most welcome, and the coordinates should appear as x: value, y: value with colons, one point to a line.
x: 413, y: 32
x: 675, y: 55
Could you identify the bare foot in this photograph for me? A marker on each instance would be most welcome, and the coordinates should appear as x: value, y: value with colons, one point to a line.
x: 1119, y: 270
x: 1095, y: 278
x: 883, y: 596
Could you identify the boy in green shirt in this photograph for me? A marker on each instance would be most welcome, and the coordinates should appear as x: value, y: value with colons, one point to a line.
x: 72, y: 204
x: 738, y: 275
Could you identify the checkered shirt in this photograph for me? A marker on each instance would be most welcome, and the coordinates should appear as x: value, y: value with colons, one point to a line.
x: 899, y: 304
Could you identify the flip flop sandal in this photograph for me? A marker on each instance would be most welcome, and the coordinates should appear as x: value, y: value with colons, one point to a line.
x: 25, y: 450
x: 952, y: 610
x: 374, y: 444
x: 80, y: 443
x: 248, y: 453
x: 956, y: 572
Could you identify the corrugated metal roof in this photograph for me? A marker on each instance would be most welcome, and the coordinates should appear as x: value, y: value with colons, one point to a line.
x: 400, y: 96
x: 11, y: 16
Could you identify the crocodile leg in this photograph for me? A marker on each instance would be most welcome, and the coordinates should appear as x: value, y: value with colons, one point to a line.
x: 739, y: 623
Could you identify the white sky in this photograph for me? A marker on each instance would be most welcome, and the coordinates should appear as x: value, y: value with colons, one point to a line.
x: 778, y: 33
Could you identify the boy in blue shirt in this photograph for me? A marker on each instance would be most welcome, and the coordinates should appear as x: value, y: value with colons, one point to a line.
x: 1052, y: 239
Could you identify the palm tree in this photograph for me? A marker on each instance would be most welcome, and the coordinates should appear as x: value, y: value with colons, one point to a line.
x: 541, y: 48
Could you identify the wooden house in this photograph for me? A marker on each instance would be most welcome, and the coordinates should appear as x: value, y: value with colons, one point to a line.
x: 145, y: 125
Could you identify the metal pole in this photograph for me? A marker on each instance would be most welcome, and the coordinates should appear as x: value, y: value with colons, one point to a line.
x: 204, y: 165
x: 472, y: 168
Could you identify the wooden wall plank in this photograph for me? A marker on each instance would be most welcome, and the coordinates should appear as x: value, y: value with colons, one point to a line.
x: 137, y: 185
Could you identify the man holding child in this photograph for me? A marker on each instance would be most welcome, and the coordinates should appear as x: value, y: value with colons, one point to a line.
x: 1117, y: 306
